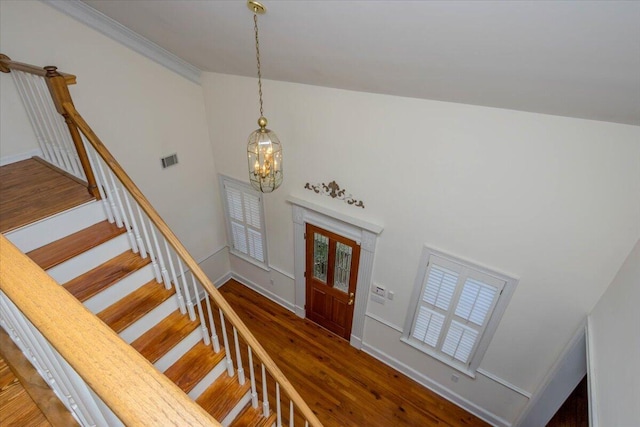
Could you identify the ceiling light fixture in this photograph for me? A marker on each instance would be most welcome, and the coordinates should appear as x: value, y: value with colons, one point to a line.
x: 263, y: 148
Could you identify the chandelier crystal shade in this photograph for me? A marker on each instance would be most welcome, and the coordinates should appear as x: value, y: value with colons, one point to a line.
x: 263, y: 149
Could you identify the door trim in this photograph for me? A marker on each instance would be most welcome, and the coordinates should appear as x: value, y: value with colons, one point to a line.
x: 364, y: 233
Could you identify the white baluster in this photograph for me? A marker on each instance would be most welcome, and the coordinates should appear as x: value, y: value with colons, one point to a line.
x: 225, y: 339
x: 99, y: 183
x: 252, y: 375
x: 123, y: 214
x: 185, y: 287
x: 109, y: 193
x: 203, y: 323
x: 61, y: 130
x: 43, y: 96
x: 134, y: 223
x: 163, y: 270
x: 154, y: 261
x: 176, y: 284
x: 42, y: 120
x: 28, y: 103
x: 212, y: 324
x: 265, y: 396
x: 278, y: 409
x: 291, y: 421
x: 238, y: 357
x: 306, y: 423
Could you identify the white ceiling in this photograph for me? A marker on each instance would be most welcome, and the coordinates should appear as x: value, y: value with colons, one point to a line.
x: 568, y: 58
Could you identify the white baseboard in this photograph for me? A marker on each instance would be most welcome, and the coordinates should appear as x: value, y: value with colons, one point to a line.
x: 7, y: 160
x: 436, y: 387
x: 262, y: 291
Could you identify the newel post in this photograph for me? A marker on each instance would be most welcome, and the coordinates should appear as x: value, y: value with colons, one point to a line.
x: 60, y: 93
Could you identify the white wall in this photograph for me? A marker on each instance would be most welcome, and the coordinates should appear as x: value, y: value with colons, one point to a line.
x: 551, y: 200
x: 140, y: 110
x: 615, y: 343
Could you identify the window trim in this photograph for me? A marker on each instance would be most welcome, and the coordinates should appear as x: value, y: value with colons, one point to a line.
x: 487, y: 332
x: 245, y: 188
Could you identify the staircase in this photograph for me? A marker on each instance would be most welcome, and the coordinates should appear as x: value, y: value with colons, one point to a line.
x: 97, y: 265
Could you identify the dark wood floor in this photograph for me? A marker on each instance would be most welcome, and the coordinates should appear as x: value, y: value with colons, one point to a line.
x: 344, y: 386
x: 49, y: 192
x: 574, y: 412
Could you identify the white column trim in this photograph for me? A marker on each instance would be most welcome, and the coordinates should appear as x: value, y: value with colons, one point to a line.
x: 363, y: 232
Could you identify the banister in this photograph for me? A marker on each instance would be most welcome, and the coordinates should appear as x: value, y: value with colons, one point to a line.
x: 134, y: 390
x: 57, y: 84
x: 191, y: 264
x: 7, y: 64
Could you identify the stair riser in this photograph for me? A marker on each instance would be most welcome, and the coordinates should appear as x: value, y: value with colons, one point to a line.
x: 236, y: 410
x: 90, y: 259
x: 179, y: 350
x: 208, y: 379
x: 104, y: 299
x: 149, y: 320
x: 56, y: 227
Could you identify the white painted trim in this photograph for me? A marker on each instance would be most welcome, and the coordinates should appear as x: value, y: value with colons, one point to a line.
x: 214, y: 253
x: 223, y: 279
x: 592, y: 393
x: 123, y: 35
x: 7, y: 160
x: 343, y: 225
x: 285, y: 274
x: 369, y: 226
x: 265, y: 293
x: 435, y: 387
x: 555, y: 370
x: 505, y: 383
x: 384, y: 322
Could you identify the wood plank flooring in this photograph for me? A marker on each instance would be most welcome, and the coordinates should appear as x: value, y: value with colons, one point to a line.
x: 30, y: 190
x: 344, y: 386
x: 25, y: 399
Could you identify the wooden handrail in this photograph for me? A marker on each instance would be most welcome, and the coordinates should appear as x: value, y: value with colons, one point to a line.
x: 7, y: 64
x: 192, y: 265
x: 57, y: 84
x: 134, y: 390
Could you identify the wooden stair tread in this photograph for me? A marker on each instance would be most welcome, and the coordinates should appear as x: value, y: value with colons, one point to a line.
x: 191, y: 368
x: 157, y: 341
x: 74, y: 244
x: 253, y: 417
x: 222, y: 396
x: 94, y: 281
x: 135, y: 305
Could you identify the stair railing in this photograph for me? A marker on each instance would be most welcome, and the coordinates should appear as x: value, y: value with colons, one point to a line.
x: 78, y: 355
x: 43, y: 90
x: 174, y: 267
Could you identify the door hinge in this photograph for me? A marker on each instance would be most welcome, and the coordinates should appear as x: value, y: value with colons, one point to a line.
x: 305, y: 274
x: 305, y: 235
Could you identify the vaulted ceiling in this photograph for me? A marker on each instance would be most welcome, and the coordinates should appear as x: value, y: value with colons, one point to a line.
x: 569, y: 58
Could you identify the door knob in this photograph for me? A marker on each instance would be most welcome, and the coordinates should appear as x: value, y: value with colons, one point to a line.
x: 351, y: 295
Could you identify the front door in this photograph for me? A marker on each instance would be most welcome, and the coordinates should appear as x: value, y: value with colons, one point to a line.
x: 331, y: 276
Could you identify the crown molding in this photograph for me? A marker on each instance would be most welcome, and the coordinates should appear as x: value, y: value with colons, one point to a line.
x: 123, y: 35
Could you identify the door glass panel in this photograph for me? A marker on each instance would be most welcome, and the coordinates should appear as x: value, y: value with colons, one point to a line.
x: 320, y: 256
x: 343, y: 267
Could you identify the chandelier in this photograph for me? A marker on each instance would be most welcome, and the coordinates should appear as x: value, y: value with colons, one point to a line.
x: 264, y: 148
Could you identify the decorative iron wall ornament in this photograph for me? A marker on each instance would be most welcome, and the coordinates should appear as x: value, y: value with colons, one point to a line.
x: 334, y: 191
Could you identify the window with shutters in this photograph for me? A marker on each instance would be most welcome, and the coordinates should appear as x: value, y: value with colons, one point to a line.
x: 456, y: 309
x: 245, y: 221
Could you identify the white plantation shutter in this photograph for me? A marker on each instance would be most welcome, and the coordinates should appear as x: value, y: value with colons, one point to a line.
x: 245, y: 220
x: 456, y: 302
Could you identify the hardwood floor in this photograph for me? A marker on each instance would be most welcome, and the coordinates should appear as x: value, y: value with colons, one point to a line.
x: 31, y: 190
x: 25, y: 399
x: 574, y: 412
x: 344, y: 386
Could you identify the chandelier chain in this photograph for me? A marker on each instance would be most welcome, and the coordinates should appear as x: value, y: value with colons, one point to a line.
x: 255, y: 27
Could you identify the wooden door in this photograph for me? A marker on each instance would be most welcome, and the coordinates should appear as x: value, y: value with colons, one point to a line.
x: 331, y: 276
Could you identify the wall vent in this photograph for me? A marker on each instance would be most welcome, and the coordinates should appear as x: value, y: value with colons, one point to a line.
x: 169, y: 161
